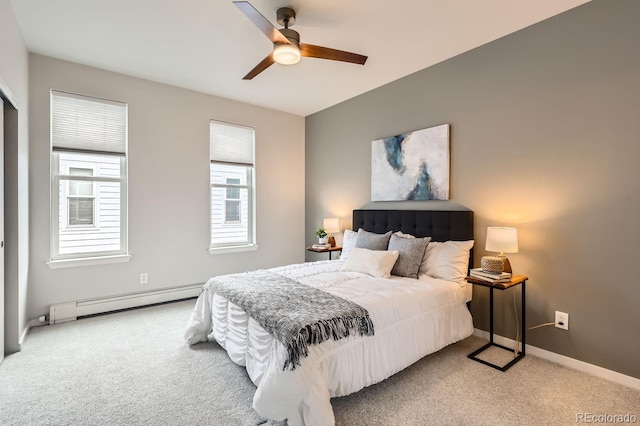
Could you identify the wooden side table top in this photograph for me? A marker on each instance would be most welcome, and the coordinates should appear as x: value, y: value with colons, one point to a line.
x: 324, y: 250
x: 515, y: 280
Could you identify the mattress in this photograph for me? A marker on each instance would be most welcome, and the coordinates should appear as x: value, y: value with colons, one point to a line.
x: 412, y: 318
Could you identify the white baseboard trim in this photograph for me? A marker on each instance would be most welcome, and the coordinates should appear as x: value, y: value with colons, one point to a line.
x: 70, y: 311
x: 32, y: 323
x: 566, y: 361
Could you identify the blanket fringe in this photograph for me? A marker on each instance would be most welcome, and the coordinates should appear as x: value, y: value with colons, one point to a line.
x: 318, y: 332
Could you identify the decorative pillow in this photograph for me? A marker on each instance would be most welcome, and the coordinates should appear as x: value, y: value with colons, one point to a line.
x: 348, y: 242
x: 372, y: 241
x: 448, y: 260
x: 403, y: 235
x: 376, y: 263
x: 411, y: 253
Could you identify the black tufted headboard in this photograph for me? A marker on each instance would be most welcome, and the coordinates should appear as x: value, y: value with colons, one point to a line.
x: 440, y: 225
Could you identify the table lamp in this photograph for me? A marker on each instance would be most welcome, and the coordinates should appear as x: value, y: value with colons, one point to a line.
x: 503, y: 240
x: 331, y: 225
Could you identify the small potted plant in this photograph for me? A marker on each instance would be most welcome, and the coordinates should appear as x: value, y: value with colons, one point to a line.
x: 322, y: 235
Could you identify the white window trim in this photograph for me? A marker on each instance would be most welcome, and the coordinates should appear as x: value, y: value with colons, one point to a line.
x: 87, y: 261
x: 233, y: 249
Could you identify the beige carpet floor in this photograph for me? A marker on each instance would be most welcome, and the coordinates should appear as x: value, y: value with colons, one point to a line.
x: 133, y: 368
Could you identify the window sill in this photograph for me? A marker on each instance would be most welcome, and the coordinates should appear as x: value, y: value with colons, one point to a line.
x: 88, y: 261
x: 233, y: 249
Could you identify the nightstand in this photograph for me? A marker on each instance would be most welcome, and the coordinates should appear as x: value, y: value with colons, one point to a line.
x: 515, y: 281
x: 325, y: 250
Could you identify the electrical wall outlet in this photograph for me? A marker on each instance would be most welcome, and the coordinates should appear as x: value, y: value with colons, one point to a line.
x: 562, y: 320
x: 144, y: 278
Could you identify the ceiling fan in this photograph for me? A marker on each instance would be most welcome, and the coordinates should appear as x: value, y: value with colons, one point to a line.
x: 287, y: 48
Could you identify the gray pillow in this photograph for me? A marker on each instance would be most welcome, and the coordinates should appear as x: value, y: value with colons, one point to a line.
x: 411, y: 254
x: 372, y: 241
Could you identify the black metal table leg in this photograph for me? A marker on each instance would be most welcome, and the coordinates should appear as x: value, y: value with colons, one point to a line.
x: 518, y: 354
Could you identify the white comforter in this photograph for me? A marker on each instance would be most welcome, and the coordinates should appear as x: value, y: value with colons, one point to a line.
x: 412, y: 318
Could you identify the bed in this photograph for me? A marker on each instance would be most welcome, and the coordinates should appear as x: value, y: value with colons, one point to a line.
x: 411, y: 317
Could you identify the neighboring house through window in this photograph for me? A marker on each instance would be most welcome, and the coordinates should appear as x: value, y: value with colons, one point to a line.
x: 80, y: 199
x: 88, y: 176
x: 232, y: 201
x: 232, y: 185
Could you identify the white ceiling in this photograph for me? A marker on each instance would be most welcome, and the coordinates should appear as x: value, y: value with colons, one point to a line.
x: 209, y: 45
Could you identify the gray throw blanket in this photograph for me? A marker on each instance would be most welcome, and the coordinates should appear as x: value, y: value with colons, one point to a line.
x: 296, y: 314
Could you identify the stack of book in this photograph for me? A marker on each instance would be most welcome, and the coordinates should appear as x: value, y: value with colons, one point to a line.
x: 321, y: 246
x: 479, y: 273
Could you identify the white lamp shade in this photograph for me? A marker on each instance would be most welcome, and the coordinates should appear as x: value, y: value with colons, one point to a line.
x: 286, y: 54
x: 502, y: 239
x: 331, y: 225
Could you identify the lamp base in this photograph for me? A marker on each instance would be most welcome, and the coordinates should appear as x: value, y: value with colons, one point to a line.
x: 506, y: 265
x: 496, y: 264
x: 492, y: 264
x: 332, y: 241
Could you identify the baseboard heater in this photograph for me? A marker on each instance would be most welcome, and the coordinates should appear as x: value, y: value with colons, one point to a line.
x: 70, y: 311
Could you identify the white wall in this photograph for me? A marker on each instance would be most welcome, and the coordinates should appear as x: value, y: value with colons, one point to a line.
x: 14, y: 76
x: 168, y: 186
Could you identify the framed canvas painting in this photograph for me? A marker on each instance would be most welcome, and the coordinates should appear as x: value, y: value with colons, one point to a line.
x: 411, y: 166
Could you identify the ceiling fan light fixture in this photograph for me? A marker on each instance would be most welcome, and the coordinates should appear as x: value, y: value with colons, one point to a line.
x: 286, y: 54
x: 287, y: 48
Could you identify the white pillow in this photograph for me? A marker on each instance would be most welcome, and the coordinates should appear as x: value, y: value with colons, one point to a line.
x: 348, y: 242
x: 448, y: 260
x: 377, y: 263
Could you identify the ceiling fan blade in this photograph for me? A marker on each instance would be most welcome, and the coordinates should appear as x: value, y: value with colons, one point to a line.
x: 311, y: 51
x: 263, y: 65
x: 261, y: 22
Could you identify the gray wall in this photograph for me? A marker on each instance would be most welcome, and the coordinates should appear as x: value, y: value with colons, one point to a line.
x: 168, y: 186
x: 14, y: 76
x: 544, y: 137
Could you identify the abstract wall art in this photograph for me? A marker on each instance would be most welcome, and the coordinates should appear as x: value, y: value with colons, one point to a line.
x: 411, y: 166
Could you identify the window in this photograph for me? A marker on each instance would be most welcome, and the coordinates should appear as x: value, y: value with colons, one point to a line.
x: 231, y: 177
x: 80, y: 199
x: 232, y: 201
x: 88, y: 176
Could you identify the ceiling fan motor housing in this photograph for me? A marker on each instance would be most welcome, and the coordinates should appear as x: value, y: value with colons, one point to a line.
x: 292, y: 35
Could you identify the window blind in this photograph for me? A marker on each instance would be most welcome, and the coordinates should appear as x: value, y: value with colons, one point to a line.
x: 82, y: 123
x: 231, y: 143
